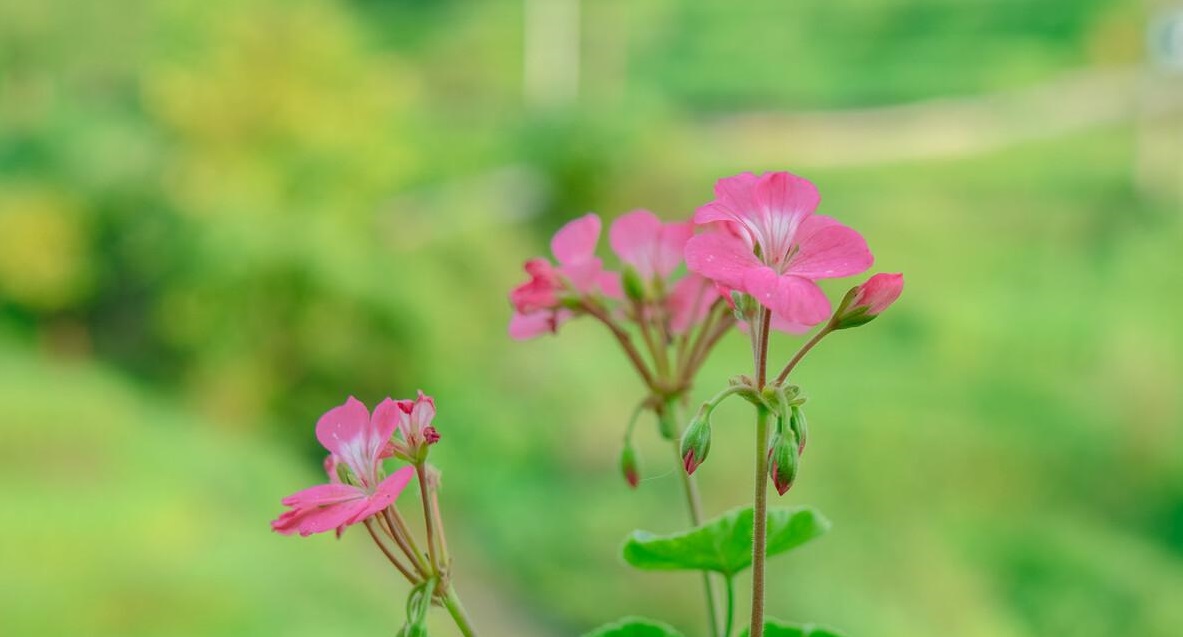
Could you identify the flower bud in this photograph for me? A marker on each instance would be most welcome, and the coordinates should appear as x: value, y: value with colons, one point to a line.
x: 863, y: 303
x: 629, y: 466
x: 431, y: 435
x: 634, y: 287
x: 799, y: 427
x: 696, y: 442
x: 782, y: 461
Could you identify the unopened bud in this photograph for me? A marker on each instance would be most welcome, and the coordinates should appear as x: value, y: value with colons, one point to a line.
x: 863, y: 303
x: 696, y: 442
x: 782, y: 461
x: 799, y: 426
x: 431, y: 435
x: 629, y: 466
x: 634, y: 287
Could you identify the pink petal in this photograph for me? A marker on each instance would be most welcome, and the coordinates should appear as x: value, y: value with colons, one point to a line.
x: 781, y: 194
x: 633, y: 237
x: 524, y: 327
x: 797, y: 300
x: 322, y: 494
x: 689, y: 302
x: 343, y: 425
x: 828, y: 249
x: 583, y: 275
x: 733, y: 200
x: 653, y: 248
x: 610, y: 284
x: 319, y: 520
x: 577, y: 240
x: 721, y: 257
x: 385, y: 420
x: 386, y: 493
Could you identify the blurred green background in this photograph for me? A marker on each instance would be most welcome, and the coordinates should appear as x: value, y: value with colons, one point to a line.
x: 219, y: 218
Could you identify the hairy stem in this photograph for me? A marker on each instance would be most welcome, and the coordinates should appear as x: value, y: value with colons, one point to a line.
x: 784, y: 373
x: 760, y: 505
x: 456, y: 610
x: 428, y: 518
x: 389, y: 554
x: 694, y: 506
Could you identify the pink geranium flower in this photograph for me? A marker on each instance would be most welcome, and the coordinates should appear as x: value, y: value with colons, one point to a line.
x: 357, y: 489
x: 654, y: 249
x: 579, y: 272
x: 773, y: 247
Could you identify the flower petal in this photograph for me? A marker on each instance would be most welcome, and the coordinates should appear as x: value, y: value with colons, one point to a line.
x: 523, y: 327
x: 733, y: 196
x: 782, y: 194
x: 828, y: 249
x: 385, y: 420
x: 795, y: 299
x: 633, y: 238
x: 721, y: 257
x: 576, y: 241
x: 343, y: 425
x: 583, y: 275
x: 690, y: 301
x: 322, y: 494
x: 386, y: 493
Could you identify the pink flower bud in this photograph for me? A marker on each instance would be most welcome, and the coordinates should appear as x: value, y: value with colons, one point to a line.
x: 696, y: 443
x: 782, y: 461
x: 867, y: 301
x: 629, y: 466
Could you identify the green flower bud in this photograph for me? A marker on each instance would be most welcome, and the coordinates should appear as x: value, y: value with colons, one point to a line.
x: 799, y: 426
x: 629, y: 466
x: 696, y: 443
x: 782, y: 461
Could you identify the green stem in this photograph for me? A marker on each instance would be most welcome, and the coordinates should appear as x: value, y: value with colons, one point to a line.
x: 459, y: 615
x: 730, y: 605
x: 428, y: 518
x: 694, y: 505
x: 760, y: 506
x: 784, y: 373
x: 760, y: 523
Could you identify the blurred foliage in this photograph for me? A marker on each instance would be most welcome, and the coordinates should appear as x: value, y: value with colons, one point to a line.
x: 217, y: 219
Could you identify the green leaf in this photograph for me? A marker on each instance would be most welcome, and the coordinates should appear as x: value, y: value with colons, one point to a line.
x: 724, y: 544
x: 777, y: 628
x: 635, y: 627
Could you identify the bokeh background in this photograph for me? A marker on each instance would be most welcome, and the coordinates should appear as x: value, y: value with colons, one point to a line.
x: 218, y: 218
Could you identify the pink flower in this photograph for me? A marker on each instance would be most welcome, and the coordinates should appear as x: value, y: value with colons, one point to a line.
x: 865, y: 302
x: 414, y: 425
x: 689, y: 302
x: 357, y: 443
x: 654, y: 249
x: 580, y: 272
x: 773, y: 247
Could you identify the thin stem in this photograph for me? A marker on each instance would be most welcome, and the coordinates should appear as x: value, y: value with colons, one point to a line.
x: 625, y: 341
x: 694, y: 506
x: 760, y: 504
x: 439, y: 529
x: 784, y: 373
x: 709, y: 343
x: 389, y: 555
x: 760, y: 523
x: 730, y: 606
x: 762, y: 350
x: 459, y: 615
x: 658, y: 353
x: 428, y: 518
x: 406, y: 541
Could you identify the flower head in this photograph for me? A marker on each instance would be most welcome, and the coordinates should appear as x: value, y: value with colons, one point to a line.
x: 537, y: 303
x: 649, y: 246
x: 766, y: 241
x: 414, y: 425
x: 357, y: 443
